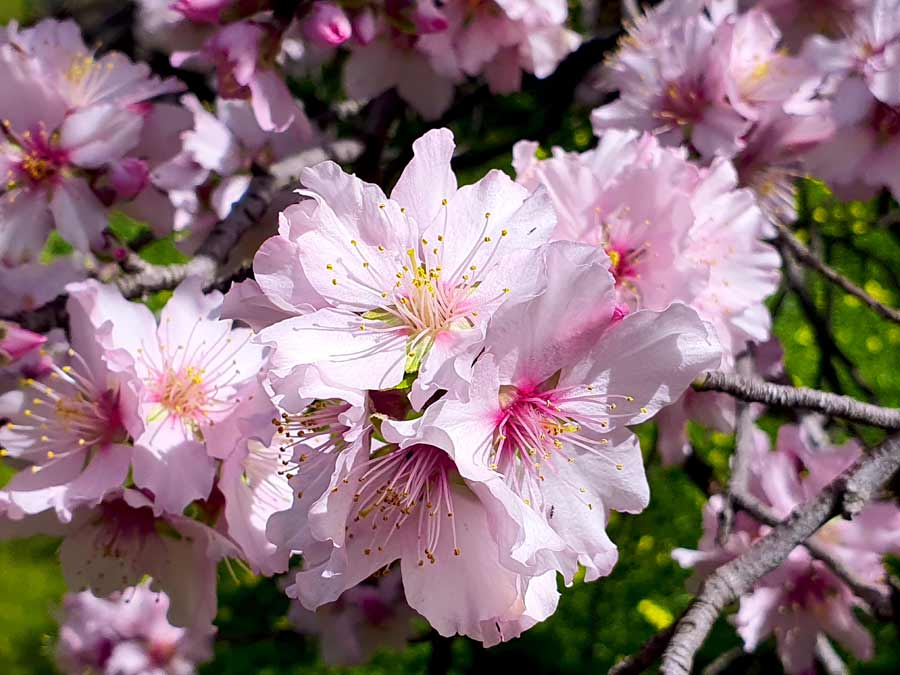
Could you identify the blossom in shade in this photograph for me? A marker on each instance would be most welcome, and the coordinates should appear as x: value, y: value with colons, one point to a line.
x: 32, y: 285
x: 365, y: 619
x: 404, y: 284
x: 562, y: 375
x: 202, y: 11
x: 127, y: 634
x: 189, y: 373
x: 802, y: 598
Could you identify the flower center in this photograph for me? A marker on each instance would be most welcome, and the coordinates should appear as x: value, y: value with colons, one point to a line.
x: 404, y: 483
x: 422, y: 300
x: 69, y: 414
x: 38, y: 156
x: 182, y: 392
x: 538, y: 431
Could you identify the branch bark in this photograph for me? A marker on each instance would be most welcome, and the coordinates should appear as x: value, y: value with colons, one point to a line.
x: 846, y: 495
x: 784, y: 396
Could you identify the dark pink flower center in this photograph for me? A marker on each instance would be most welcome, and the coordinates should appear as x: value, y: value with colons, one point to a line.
x: 41, y: 159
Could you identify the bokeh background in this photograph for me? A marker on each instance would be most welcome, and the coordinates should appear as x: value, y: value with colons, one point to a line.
x: 830, y: 341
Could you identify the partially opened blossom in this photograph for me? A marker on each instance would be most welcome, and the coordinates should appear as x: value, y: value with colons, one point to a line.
x: 561, y: 377
x: 243, y: 55
x: 407, y: 284
x: 189, y: 373
x: 803, y: 598
x: 127, y: 634
x: 327, y: 24
x: 16, y: 342
x: 365, y: 619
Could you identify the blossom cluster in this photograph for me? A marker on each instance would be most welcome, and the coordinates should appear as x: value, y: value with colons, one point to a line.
x: 803, y: 598
x: 726, y: 84
x: 421, y: 48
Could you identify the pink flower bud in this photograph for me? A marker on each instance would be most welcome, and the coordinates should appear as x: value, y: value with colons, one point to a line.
x: 364, y: 26
x: 327, y: 25
x: 16, y: 342
x: 428, y: 18
x: 128, y: 177
x: 201, y: 11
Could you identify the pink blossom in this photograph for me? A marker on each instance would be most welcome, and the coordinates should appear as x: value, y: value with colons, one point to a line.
x: 202, y: 11
x: 802, y: 598
x: 127, y: 634
x: 16, y: 342
x: 547, y: 411
x: 406, y: 284
x: 703, y: 77
x: 243, y: 54
x: 327, y: 24
x: 59, y: 58
x: 69, y: 425
x: 188, y: 374
x: 438, y: 524
x: 800, y: 19
x: 117, y: 543
x: 32, y: 285
x: 365, y: 619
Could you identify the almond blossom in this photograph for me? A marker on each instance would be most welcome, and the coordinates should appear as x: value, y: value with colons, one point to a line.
x: 561, y: 377
x: 188, y: 374
x: 802, y: 598
x: 122, y: 540
x: 407, y: 284
x: 127, y: 634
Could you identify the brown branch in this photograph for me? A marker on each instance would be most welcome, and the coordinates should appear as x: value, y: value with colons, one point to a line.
x: 784, y: 396
x: 646, y: 656
x: 147, y: 278
x: 846, y: 495
x: 807, y: 257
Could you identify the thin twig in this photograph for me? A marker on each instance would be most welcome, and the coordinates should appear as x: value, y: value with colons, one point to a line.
x: 784, y: 396
x: 646, y: 656
x: 743, y: 451
x: 807, y: 257
x: 845, y: 495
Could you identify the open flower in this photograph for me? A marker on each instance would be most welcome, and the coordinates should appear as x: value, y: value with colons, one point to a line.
x: 408, y: 283
x: 561, y: 377
x: 191, y: 372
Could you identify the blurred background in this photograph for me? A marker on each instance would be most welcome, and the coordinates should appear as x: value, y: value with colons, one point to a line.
x: 596, y: 623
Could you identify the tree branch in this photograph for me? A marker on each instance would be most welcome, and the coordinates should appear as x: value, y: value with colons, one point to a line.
x: 646, y: 656
x: 147, y: 278
x: 807, y: 257
x: 743, y: 451
x: 845, y: 495
x: 784, y: 396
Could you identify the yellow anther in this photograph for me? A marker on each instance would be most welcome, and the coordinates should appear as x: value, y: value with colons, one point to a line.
x: 443, y: 202
x: 334, y: 282
x: 329, y: 266
x: 503, y: 233
x: 487, y: 240
x: 50, y: 454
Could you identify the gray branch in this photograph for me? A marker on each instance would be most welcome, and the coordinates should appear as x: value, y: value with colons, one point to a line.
x: 743, y: 451
x: 810, y: 259
x: 784, y: 396
x: 845, y: 495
